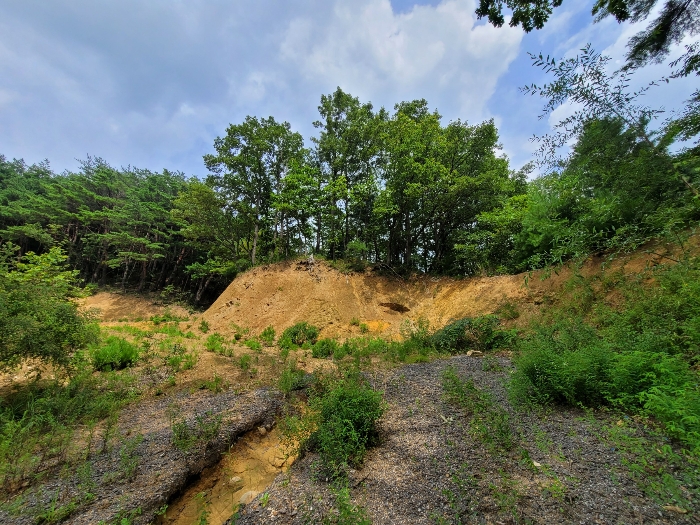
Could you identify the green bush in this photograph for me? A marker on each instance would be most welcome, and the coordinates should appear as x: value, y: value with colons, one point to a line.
x: 638, y: 357
x: 324, y: 348
x: 203, y: 326
x: 348, y: 409
x: 292, y: 378
x: 253, y: 344
x: 115, y: 354
x: 301, y: 333
x: 215, y: 343
x: 478, y: 333
x: 38, y: 319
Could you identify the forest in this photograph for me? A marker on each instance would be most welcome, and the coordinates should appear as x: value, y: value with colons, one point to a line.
x: 400, y: 190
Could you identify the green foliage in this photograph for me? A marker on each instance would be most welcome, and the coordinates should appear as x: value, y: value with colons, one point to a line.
x: 489, y: 421
x: 178, y: 358
x: 116, y: 353
x: 348, y: 409
x: 299, y: 334
x: 39, y: 420
x: 268, y: 336
x: 347, y: 512
x: 245, y: 361
x: 166, y: 317
x: 203, y: 326
x: 324, y: 348
x: 637, y: 358
x: 292, y: 379
x: 37, y: 317
x: 199, y: 430
x: 253, y: 344
x: 479, y: 333
x: 216, y: 343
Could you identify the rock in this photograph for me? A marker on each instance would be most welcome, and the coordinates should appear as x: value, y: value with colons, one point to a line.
x: 674, y: 508
x: 475, y: 353
x: 262, y: 431
x: 235, y: 481
x: 248, y: 497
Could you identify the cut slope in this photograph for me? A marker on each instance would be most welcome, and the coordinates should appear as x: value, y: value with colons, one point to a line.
x: 286, y: 293
x: 283, y: 294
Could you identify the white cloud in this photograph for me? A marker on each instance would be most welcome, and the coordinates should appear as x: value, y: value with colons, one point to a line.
x: 436, y: 53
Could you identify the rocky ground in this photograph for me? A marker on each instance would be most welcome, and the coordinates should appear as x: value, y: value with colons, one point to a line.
x: 134, y: 470
x: 431, y: 466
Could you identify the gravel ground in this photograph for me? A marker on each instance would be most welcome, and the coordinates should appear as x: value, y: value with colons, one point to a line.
x: 430, y: 468
x: 141, y: 469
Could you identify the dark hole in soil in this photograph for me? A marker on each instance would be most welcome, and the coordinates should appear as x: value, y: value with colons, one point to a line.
x: 395, y: 306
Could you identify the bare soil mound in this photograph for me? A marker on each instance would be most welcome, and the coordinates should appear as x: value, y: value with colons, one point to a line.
x: 123, y: 307
x: 286, y: 293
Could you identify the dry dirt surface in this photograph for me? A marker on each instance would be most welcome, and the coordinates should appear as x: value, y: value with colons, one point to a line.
x: 140, y: 470
x: 286, y: 293
x: 113, y: 306
x: 431, y: 468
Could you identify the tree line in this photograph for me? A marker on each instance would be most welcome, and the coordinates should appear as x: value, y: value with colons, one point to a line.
x: 401, y: 190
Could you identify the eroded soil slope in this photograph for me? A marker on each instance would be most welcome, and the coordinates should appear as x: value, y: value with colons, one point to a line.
x: 283, y: 294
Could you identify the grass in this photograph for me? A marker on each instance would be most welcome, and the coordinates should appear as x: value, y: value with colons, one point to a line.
x: 340, y: 423
x: 116, y: 353
x: 489, y: 422
x: 39, y: 422
x: 640, y: 356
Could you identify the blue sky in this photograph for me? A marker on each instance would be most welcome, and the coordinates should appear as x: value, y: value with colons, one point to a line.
x: 151, y: 84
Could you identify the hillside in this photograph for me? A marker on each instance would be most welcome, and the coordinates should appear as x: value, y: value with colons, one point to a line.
x: 286, y: 293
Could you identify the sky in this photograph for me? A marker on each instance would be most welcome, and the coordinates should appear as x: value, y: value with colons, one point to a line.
x: 152, y: 84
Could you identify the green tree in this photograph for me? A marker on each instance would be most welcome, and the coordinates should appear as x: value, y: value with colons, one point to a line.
x: 249, y: 165
x: 38, y: 318
x: 676, y: 19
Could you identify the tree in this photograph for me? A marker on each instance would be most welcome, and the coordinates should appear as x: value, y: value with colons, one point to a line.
x: 249, y: 165
x: 676, y: 19
x: 38, y: 319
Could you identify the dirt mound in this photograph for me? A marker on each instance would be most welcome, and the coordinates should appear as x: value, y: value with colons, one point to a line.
x: 286, y: 293
x: 118, y: 307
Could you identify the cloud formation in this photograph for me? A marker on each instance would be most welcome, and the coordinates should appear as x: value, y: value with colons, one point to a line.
x: 151, y: 84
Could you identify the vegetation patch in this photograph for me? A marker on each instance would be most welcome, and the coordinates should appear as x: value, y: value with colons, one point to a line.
x: 116, y: 353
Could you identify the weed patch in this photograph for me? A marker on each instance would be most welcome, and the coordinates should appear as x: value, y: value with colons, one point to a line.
x: 116, y: 353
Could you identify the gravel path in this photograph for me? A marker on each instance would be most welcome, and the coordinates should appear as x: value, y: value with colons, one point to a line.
x: 430, y: 467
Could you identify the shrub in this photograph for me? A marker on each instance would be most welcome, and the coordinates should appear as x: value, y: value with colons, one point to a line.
x: 245, y: 361
x: 348, y: 410
x: 268, y: 336
x: 253, y: 344
x: 301, y: 333
x: 638, y: 357
x: 203, y: 326
x: 480, y: 333
x: 324, y: 348
x: 215, y: 343
x: 292, y: 378
x: 115, y: 354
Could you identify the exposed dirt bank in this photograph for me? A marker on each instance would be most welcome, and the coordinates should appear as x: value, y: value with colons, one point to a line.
x: 286, y: 293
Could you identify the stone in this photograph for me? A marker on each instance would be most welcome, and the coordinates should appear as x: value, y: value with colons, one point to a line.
x: 248, y: 497
x: 475, y: 353
x: 262, y: 431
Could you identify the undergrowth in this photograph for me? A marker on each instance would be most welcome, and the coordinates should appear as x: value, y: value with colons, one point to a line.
x: 640, y: 356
